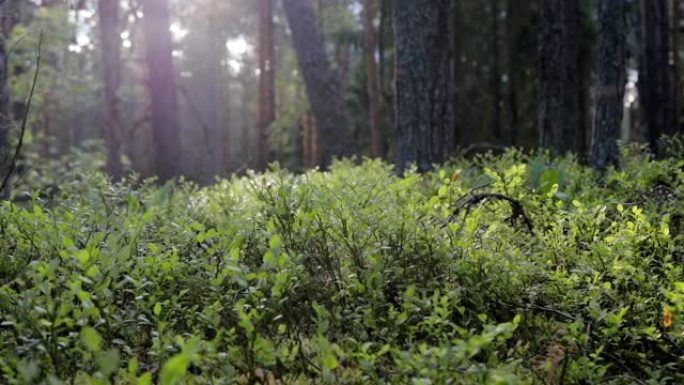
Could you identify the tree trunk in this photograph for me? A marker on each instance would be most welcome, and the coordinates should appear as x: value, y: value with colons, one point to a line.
x: 266, y: 80
x: 496, y: 70
x: 372, y: 78
x: 108, y: 12
x: 322, y: 83
x: 215, y: 102
x: 424, y: 101
x: 513, y: 34
x: 5, y: 108
x: 559, y: 107
x: 610, y: 87
x: 657, y: 98
x: 676, y: 80
x: 162, y: 88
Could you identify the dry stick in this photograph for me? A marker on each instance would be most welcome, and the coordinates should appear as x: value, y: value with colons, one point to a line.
x: 24, y: 121
x: 518, y: 212
x: 482, y: 146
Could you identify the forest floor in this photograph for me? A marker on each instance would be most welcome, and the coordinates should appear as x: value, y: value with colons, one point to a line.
x: 515, y: 269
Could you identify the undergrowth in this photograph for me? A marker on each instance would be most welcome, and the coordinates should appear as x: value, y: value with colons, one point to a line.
x: 353, y: 276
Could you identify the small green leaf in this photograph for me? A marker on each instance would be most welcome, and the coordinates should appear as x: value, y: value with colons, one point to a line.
x: 330, y: 361
x: 157, y: 309
x: 92, y: 271
x: 83, y: 256
x: 174, y: 369
x: 108, y: 362
x: 133, y: 366
x: 91, y: 339
x: 275, y: 241
x: 145, y: 379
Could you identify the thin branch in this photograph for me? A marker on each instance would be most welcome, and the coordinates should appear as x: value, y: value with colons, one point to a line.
x: 24, y: 121
x: 518, y: 212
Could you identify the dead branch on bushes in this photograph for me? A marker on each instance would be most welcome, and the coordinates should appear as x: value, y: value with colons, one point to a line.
x: 517, y: 210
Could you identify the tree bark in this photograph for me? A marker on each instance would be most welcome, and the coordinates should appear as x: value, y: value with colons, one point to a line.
x: 5, y: 108
x: 657, y: 97
x: 559, y: 107
x: 424, y: 86
x: 676, y: 80
x: 512, y: 32
x: 266, y: 81
x: 373, y: 83
x: 162, y: 88
x: 322, y: 83
x: 610, y: 87
x: 496, y: 70
x: 108, y: 12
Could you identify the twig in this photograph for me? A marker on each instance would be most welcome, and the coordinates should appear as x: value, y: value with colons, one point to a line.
x: 24, y: 121
x: 479, y: 146
x: 518, y: 212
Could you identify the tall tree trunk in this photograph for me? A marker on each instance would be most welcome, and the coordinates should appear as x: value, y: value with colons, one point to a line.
x: 266, y: 80
x: 162, y: 88
x: 559, y: 107
x: 676, y: 80
x: 456, y: 47
x: 108, y: 12
x: 5, y: 118
x: 424, y: 104
x: 513, y: 34
x: 372, y: 78
x: 639, y: 131
x: 496, y: 70
x: 322, y: 83
x: 214, y: 89
x: 657, y: 98
x: 610, y: 86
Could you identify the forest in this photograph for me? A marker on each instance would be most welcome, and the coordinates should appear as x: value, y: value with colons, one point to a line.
x: 290, y: 192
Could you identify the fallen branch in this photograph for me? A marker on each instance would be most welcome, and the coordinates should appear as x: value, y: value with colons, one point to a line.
x: 518, y: 212
x: 482, y: 147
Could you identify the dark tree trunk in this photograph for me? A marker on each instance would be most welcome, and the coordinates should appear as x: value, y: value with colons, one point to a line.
x: 559, y: 107
x: 266, y: 81
x: 657, y: 88
x: 215, y: 102
x: 5, y: 114
x: 513, y: 34
x: 424, y: 93
x: 162, y: 88
x: 610, y: 86
x: 373, y: 84
x: 322, y: 83
x: 456, y: 46
x: 496, y: 70
x: 676, y: 80
x: 110, y: 38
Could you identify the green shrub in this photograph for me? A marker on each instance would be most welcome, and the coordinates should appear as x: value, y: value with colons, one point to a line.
x: 353, y: 276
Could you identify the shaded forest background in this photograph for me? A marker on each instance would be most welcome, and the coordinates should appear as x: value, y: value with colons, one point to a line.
x: 239, y: 95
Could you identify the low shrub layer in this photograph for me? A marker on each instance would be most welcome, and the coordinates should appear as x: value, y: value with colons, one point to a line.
x: 500, y: 270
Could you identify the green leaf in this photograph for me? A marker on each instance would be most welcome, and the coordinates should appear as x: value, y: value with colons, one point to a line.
x: 157, y: 308
x: 133, y: 366
x: 91, y: 339
x: 330, y: 361
x: 174, y: 369
x: 108, y: 362
x: 275, y: 242
x: 83, y: 256
x: 145, y: 379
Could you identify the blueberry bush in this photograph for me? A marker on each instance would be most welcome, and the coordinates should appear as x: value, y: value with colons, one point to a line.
x: 511, y: 269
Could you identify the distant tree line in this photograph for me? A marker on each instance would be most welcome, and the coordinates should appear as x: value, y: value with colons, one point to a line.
x: 410, y: 81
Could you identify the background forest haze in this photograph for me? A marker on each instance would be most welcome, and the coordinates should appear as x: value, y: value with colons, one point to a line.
x: 206, y: 88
